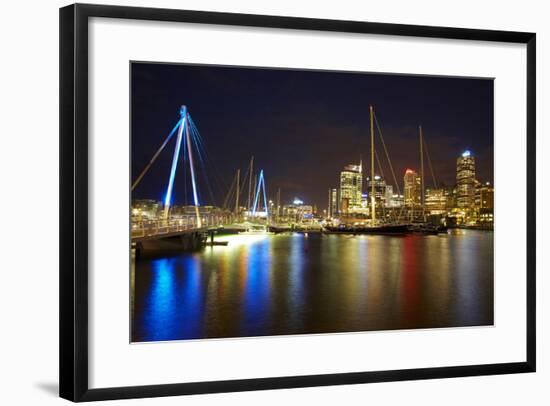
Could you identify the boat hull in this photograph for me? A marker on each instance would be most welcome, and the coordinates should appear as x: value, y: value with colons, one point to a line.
x: 427, y: 229
x: 392, y: 229
x: 256, y: 233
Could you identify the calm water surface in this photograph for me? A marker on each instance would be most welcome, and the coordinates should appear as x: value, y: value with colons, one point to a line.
x: 298, y: 284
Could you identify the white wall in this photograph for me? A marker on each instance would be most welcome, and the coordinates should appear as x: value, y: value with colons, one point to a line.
x: 29, y: 176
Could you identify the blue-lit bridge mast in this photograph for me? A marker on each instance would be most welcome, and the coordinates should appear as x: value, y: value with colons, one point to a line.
x: 183, y: 136
x: 183, y: 127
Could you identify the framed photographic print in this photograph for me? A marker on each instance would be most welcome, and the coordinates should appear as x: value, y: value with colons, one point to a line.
x: 257, y: 202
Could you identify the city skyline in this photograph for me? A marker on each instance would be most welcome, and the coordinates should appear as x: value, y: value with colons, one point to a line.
x: 467, y: 202
x: 464, y: 199
x: 319, y: 132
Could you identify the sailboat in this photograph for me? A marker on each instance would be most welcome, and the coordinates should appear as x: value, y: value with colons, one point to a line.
x: 258, y: 226
x: 375, y: 226
x: 255, y: 229
x: 423, y: 226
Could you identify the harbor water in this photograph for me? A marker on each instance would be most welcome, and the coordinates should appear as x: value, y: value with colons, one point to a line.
x: 279, y: 284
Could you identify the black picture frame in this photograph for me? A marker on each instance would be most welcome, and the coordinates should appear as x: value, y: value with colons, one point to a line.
x: 73, y: 180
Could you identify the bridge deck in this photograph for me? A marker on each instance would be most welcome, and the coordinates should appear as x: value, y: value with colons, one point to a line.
x: 157, y: 229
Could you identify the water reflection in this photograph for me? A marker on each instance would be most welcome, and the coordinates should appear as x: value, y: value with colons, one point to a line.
x: 296, y: 284
x: 296, y: 291
x: 256, y: 290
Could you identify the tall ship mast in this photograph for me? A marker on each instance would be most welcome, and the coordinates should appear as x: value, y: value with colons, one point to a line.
x: 422, y: 190
x: 424, y: 227
x: 375, y: 227
x: 372, y: 192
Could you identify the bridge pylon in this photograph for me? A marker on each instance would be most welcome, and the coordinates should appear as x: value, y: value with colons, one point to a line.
x: 183, y: 136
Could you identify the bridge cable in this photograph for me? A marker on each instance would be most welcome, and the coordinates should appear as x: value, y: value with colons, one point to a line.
x: 201, y: 153
x: 221, y: 183
x: 155, y: 156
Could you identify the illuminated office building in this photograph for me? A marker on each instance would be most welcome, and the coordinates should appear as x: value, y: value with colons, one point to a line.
x: 379, y: 189
x: 484, y: 196
x: 412, y: 188
x: 435, y: 201
x: 351, y: 185
x: 332, y: 202
x: 297, y: 211
x: 389, y: 195
x: 396, y: 201
x: 484, y: 203
x: 146, y: 209
x: 465, y: 180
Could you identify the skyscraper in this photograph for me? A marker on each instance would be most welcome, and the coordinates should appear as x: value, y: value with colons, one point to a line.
x: 484, y: 203
x: 412, y: 186
x: 465, y: 180
x: 351, y: 185
x: 379, y: 189
x: 436, y: 201
x: 389, y: 195
x: 484, y: 195
x: 332, y: 202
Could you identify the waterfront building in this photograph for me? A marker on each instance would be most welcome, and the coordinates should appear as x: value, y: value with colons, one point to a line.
x: 180, y: 211
x: 365, y: 200
x: 365, y: 205
x: 351, y: 186
x: 484, y: 195
x: 332, y: 210
x: 450, y: 194
x: 465, y: 180
x: 335, y: 200
x: 396, y: 201
x: 412, y: 188
x: 146, y: 209
x: 484, y: 203
x: 435, y: 201
x: 329, y: 204
x: 486, y: 218
x: 297, y: 211
x: 389, y: 195
x: 306, y: 211
x: 380, y: 189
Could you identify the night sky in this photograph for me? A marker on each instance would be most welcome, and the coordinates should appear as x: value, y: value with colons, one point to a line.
x: 303, y: 127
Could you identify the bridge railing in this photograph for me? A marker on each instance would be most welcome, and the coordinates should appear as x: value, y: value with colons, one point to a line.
x: 146, y: 228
